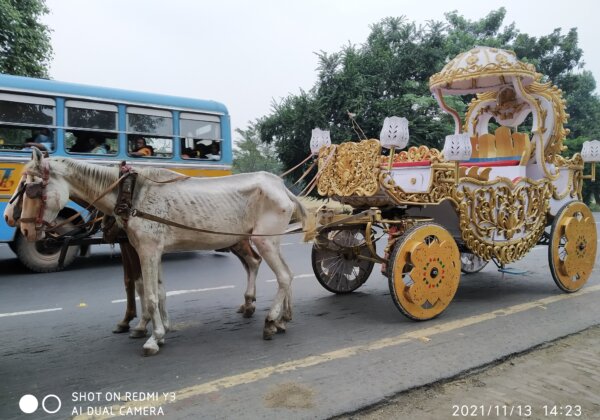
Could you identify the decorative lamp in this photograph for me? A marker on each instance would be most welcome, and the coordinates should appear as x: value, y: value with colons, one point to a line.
x: 319, y: 139
x: 590, y: 152
x: 457, y: 148
x: 394, y: 134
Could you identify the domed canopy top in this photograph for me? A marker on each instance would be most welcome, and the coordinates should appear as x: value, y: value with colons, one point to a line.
x: 481, y: 69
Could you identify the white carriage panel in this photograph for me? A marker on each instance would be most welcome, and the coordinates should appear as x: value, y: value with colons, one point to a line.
x: 510, y: 172
x: 412, y: 179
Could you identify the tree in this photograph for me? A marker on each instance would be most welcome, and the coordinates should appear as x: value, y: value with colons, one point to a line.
x: 25, y: 48
x: 389, y: 74
x: 251, y: 155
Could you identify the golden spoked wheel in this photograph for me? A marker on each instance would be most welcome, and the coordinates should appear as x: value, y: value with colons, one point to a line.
x: 424, y: 271
x: 572, y: 249
x: 340, y: 260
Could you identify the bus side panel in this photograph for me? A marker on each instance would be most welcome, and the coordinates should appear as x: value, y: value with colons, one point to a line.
x: 10, y: 174
x: 7, y: 233
x: 201, y: 172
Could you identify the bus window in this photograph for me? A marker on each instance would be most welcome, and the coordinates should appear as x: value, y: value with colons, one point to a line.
x: 201, y: 136
x: 91, y: 128
x: 26, y: 121
x: 149, y: 132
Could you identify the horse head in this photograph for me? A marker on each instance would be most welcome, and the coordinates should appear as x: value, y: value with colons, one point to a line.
x: 45, y: 194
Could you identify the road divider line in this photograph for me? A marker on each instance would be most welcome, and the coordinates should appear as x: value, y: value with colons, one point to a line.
x: 422, y: 334
x: 39, y: 311
x: 183, y: 292
x: 299, y: 276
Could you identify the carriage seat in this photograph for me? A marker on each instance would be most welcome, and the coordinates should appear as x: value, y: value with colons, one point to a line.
x: 502, y: 154
x: 502, y: 148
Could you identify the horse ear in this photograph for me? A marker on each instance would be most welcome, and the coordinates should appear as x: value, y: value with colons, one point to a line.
x: 36, y: 156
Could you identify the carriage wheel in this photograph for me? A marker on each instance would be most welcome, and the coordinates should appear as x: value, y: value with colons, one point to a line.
x: 336, y: 260
x: 424, y: 271
x: 572, y: 248
x: 471, y: 263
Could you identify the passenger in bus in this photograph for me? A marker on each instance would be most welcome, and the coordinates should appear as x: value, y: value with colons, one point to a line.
x: 188, y: 153
x: 99, y: 145
x: 215, y: 152
x: 140, y: 148
x: 82, y: 144
x: 42, y: 139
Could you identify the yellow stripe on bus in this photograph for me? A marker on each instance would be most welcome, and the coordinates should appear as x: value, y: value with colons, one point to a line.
x: 10, y: 174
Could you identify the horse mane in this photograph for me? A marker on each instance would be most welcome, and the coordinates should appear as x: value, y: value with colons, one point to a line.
x: 96, y: 178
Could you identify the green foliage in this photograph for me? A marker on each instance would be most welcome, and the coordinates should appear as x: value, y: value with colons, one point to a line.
x: 251, y: 155
x: 389, y: 74
x: 25, y: 48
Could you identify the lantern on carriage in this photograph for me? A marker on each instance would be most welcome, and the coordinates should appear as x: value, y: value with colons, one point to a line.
x: 457, y: 148
x: 319, y: 139
x: 394, y: 134
x: 590, y: 152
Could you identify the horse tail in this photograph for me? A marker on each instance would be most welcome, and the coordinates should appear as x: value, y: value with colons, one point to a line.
x: 309, y: 220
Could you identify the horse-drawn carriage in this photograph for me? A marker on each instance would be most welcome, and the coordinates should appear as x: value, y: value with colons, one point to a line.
x: 485, y: 196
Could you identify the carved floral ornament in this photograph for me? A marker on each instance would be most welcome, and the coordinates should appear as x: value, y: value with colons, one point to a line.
x: 481, y: 68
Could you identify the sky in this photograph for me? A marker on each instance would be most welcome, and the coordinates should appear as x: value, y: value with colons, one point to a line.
x: 249, y: 54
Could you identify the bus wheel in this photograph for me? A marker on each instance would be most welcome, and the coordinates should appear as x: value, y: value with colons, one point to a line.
x: 42, y: 259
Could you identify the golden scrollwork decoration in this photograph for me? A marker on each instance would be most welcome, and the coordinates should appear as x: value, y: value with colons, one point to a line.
x: 350, y: 169
x: 415, y: 154
x: 504, y: 222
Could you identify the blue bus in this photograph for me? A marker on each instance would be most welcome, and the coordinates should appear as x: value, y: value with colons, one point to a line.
x: 105, y: 126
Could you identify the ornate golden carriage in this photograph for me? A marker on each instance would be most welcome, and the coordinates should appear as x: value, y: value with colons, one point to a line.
x: 486, y: 196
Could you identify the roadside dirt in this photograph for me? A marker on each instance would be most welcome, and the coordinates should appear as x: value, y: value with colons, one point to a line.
x: 557, y: 380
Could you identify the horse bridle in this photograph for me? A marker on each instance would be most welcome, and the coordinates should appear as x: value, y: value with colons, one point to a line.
x: 35, y: 190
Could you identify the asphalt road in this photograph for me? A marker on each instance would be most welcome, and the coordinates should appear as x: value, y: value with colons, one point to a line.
x: 340, y: 353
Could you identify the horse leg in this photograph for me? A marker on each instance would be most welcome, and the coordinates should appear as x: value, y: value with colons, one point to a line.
x: 140, y: 330
x: 150, y: 261
x: 130, y: 266
x: 281, y: 309
x: 251, y: 261
x: 162, y: 303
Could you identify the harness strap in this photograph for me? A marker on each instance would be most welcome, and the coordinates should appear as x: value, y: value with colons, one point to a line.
x: 153, y: 218
x: 76, y: 215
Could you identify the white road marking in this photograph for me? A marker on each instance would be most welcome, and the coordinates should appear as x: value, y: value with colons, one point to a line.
x: 182, y: 292
x: 39, y: 311
x: 421, y: 334
x: 299, y: 276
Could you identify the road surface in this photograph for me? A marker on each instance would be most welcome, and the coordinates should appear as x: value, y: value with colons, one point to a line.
x: 340, y: 353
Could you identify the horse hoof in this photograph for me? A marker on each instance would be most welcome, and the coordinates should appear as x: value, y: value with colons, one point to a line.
x: 150, y: 350
x: 161, y: 341
x: 269, y: 330
x: 119, y: 329
x: 137, y: 333
x: 249, y: 311
x: 280, y: 327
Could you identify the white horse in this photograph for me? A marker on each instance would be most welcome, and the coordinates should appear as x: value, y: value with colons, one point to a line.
x: 256, y: 207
